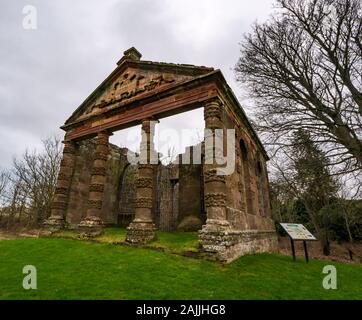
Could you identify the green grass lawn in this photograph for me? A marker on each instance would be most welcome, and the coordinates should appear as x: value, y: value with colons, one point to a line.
x: 72, y: 269
x: 173, y: 242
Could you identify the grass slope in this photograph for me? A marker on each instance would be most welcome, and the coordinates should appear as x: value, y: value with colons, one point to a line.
x: 70, y: 269
x: 175, y: 242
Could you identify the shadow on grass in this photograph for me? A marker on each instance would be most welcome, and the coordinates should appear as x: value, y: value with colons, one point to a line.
x: 182, y: 243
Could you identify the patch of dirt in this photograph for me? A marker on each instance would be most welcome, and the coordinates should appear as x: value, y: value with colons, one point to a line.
x: 7, y: 236
x: 21, y: 233
x: 340, y: 252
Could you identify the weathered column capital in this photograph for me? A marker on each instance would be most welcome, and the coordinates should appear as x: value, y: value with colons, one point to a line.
x: 69, y: 147
x: 148, y: 154
x: 213, y: 114
x: 148, y: 124
x: 210, y: 175
x: 103, y: 137
x: 212, y: 109
x: 104, y: 133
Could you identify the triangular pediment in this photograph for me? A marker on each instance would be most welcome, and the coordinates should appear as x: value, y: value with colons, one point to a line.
x: 133, y: 80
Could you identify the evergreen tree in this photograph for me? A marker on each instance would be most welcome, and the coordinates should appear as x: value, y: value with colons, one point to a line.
x: 313, y: 182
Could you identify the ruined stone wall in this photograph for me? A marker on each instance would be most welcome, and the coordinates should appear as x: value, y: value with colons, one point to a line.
x: 248, y: 203
x: 179, y: 197
x: 127, y: 195
x: 191, y: 216
x: 167, y: 209
x: 79, y: 190
x: 116, y: 163
x: 177, y: 191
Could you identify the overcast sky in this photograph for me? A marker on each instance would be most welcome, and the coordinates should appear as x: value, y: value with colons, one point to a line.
x: 46, y: 73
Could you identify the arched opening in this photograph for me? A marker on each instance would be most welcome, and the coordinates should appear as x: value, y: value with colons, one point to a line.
x: 259, y: 169
x: 246, y: 176
x: 261, y: 186
x: 126, y: 195
x: 243, y: 150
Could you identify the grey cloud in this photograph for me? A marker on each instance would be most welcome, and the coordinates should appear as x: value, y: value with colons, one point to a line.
x: 46, y: 73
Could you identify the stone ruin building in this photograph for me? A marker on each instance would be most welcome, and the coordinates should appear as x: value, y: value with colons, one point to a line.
x: 97, y: 185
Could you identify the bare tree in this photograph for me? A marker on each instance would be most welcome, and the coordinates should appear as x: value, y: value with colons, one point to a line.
x: 4, y: 181
x: 34, y: 180
x: 304, y: 70
x: 306, y: 177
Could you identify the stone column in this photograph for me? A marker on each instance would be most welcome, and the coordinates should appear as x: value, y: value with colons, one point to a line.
x: 216, y: 235
x: 92, y: 224
x: 56, y: 221
x: 142, y: 228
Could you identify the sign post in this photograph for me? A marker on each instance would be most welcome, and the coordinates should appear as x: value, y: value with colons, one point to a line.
x: 305, y: 251
x: 293, y: 249
x: 297, y: 232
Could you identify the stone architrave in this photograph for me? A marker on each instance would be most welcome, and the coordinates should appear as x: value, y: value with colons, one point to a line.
x: 92, y: 224
x: 142, y: 229
x: 56, y: 221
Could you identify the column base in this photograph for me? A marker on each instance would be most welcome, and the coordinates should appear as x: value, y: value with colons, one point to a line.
x: 90, y: 227
x: 140, y: 232
x: 220, y: 242
x: 54, y: 223
x: 216, y: 238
